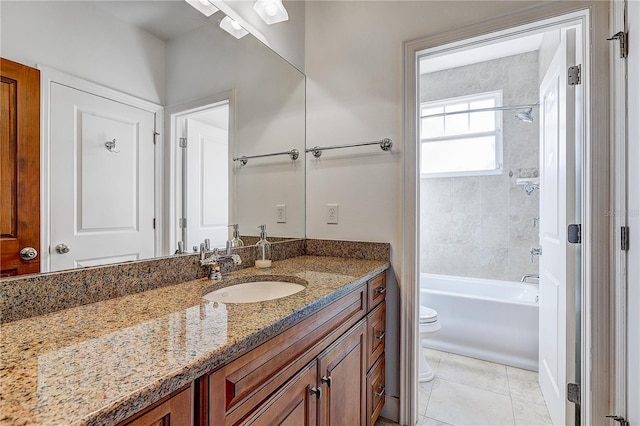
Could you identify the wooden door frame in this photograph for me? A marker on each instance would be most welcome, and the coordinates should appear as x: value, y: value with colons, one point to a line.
x: 48, y: 76
x: 596, y: 179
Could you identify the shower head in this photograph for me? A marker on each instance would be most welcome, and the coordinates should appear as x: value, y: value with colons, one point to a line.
x: 525, y: 116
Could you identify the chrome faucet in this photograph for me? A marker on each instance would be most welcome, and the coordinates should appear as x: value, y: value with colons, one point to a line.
x: 216, y: 258
x: 525, y: 277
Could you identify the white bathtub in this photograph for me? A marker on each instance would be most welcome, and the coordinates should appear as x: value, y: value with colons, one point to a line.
x: 487, y: 319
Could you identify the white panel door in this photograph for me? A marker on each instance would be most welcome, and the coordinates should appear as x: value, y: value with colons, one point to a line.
x: 208, y: 184
x: 102, y: 202
x: 633, y: 188
x: 557, y: 210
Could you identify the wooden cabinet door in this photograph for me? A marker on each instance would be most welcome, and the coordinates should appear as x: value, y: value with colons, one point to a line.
x: 296, y: 404
x: 342, y: 372
x: 19, y: 167
x: 175, y: 410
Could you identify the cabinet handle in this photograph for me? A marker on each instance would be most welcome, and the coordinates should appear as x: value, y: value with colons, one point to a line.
x: 326, y: 380
x: 382, y: 389
x: 380, y: 290
x: 316, y: 391
x: 381, y: 334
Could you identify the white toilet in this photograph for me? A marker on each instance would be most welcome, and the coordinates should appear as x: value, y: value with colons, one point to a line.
x: 428, y: 324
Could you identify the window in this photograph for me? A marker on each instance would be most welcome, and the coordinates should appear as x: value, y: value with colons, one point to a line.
x: 464, y: 143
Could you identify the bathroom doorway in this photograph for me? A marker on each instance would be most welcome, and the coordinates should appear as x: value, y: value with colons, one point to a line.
x: 500, y: 136
x: 201, y: 184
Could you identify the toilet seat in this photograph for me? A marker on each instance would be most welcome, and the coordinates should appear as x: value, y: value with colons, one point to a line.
x: 428, y: 315
x: 428, y: 320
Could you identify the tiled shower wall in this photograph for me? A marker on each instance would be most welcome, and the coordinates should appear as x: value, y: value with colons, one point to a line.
x: 482, y: 226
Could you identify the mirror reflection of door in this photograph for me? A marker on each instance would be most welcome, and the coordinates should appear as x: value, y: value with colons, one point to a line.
x: 206, y: 176
x: 101, y: 180
x: 19, y: 169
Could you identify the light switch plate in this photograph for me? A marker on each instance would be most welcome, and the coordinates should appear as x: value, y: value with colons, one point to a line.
x: 332, y: 213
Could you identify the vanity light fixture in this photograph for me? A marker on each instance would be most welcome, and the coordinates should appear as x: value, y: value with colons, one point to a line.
x: 271, y: 11
x: 233, y: 28
x: 206, y: 8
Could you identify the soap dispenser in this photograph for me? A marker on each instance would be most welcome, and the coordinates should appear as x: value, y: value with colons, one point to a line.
x: 263, y: 258
x: 236, y: 241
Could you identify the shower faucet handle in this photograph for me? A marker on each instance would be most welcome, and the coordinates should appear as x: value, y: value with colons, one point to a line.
x: 535, y: 251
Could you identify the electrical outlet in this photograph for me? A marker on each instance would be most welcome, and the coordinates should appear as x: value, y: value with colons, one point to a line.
x: 281, y: 213
x: 332, y: 213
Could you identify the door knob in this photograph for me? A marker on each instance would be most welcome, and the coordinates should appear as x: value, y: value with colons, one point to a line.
x: 28, y: 253
x: 62, y: 248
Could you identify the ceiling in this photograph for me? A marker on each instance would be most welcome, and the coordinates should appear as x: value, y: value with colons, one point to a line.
x: 165, y: 19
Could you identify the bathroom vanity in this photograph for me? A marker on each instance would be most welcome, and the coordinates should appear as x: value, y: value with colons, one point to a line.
x: 168, y: 356
x: 329, y: 365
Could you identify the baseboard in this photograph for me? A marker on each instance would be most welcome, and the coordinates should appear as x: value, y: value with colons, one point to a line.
x: 391, y: 409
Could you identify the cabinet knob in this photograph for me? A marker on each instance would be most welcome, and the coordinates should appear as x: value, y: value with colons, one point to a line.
x: 317, y: 391
x: 382, y: 389
x: 326, y: 380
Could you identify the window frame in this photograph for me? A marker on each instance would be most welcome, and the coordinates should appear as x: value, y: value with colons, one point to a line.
x: 497, y: 134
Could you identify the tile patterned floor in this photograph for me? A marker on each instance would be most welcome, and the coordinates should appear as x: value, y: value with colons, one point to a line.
x: 471, y: 392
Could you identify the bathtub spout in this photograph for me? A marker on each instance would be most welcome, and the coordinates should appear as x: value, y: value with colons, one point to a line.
x: 525, y: 277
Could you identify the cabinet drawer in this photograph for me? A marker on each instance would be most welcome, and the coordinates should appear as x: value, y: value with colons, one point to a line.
x: 377, y: 290
x: 376, y: 331
x: 376, y: 390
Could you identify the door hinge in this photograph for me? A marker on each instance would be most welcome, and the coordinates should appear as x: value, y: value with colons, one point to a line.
x: 155, y: 137
x: 621, y: 36
x: 574, y: 233
x: 619, y: 419
x: 154, y: 223
x: 183, y: 142
x: 573, y: 75
x: 182, y: 222
x: 624, y: 238
x: 573, y: 393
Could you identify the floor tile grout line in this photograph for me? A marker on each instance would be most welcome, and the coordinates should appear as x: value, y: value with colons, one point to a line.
x: 513, y: 409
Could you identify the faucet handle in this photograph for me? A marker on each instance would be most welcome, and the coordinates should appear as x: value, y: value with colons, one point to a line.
x: 535, y: 251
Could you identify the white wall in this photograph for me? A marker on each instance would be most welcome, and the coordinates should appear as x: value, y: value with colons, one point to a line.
x: 269, y: 112
x: 78, y: 38
x: 354, y: 67
x: 634, y: 212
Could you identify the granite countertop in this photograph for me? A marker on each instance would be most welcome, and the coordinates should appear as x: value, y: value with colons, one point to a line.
x: 103, y: 362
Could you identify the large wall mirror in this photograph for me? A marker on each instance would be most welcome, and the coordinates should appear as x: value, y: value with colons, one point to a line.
x: 224, y: 117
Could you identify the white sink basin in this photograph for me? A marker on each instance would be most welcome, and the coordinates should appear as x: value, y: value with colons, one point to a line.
x: 257, y: 291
